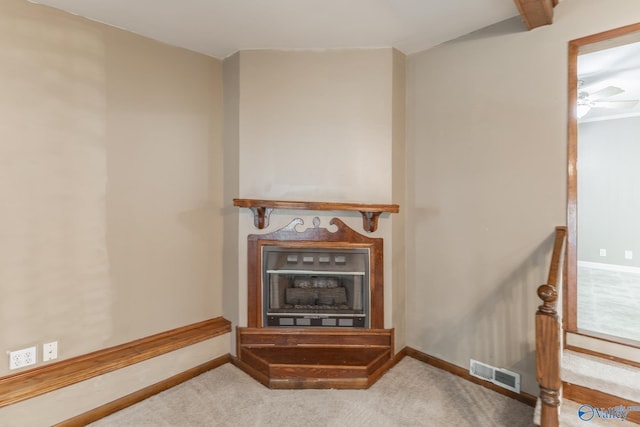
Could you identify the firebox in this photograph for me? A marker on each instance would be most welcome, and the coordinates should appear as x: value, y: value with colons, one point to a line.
x: 315, y: 287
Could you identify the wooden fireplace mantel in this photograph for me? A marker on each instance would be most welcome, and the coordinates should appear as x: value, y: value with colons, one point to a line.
x: 262, y: 209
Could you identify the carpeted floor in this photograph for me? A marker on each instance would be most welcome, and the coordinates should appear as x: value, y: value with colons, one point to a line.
x: 411, y: 394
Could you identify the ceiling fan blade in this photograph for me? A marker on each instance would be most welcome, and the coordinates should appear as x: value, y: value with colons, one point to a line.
x: 605, y: 93
x: 615, y: 104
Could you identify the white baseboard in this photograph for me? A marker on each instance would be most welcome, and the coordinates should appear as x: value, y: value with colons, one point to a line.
x: 609, y: 267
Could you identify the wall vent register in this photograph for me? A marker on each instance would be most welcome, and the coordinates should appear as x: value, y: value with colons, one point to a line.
x: 315, y: 287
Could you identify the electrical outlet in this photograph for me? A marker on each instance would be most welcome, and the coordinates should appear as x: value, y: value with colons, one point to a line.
x: 603, y: 252
x: 628, y: 254
x: 49, y: 351
x: 21, y: 358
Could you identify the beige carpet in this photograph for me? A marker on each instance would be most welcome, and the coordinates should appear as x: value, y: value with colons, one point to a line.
x: 411, y: 394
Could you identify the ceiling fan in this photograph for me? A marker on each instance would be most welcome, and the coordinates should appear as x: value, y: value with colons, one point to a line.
x: 598, y: 99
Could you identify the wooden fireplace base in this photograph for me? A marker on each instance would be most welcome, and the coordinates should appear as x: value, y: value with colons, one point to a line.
x: 283, y: 358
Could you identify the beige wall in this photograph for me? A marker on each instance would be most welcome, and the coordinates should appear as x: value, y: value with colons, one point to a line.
x: 111, y: 166
x: 398, y: 252
x: 165, y: 171
x: 486, y: 152
x: 231, y: 256
x: 318, y: 126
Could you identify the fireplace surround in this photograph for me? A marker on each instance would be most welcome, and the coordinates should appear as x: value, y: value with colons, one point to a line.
x: 315, y: 308
x: 310, y: 265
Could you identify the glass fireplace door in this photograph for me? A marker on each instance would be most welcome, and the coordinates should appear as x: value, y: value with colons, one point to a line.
x: 315, y: 287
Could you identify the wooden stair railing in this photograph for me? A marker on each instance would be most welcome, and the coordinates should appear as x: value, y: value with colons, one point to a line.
x: 548, y: 337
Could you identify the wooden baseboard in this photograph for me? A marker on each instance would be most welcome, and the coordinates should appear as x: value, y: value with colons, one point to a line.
x: 140, y: 395
x: 598, y: 354
x: 43, y: 379
x: 598, y: 399
x: 390, y: 364
x: 463, y: 373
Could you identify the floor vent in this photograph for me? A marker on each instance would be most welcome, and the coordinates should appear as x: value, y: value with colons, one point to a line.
x: 501, y: 377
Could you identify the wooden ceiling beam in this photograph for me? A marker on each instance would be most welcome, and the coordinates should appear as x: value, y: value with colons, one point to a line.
x: 536, y: 13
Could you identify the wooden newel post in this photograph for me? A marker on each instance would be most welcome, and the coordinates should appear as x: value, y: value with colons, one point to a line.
x: 548, y: 355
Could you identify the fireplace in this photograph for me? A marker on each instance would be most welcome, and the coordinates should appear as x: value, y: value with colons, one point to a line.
x: 315, y: 278
x: 315, y: 287
x: 315, y: 306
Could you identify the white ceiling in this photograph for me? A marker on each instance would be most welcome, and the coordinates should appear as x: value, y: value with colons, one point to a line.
x: 221, y: 27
